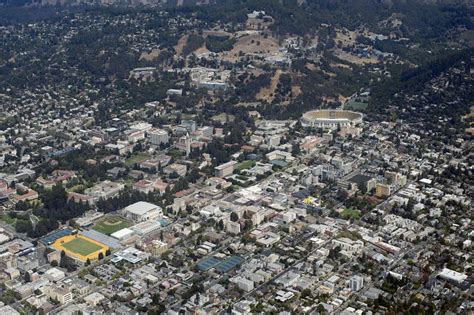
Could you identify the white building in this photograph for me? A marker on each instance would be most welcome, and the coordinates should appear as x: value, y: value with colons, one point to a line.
x: 452, y: 275
x: 180, y: 169
x: 141, y: 126
x: 143, y: 211
x: 59, y: 292
x: 356, y: 283
x: 54, y: 274
x: 146, y: 228
x: 348, y: 245
x: 243, y: 284
x: 135, y: 136
x: 94, y: 298
x: 158, y: 136
x: 104, y: 190
x: 8, y: 310
x: 207, y: 131
x: 130, y: 254
x: 273, y: 141
x: 233, y: 227
x: 225, y: 169
x: 122, y: 234
x: 279, y: 155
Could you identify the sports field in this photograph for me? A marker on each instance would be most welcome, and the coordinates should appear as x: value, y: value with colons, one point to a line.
x: 111, y: 225
x: 80, y: 247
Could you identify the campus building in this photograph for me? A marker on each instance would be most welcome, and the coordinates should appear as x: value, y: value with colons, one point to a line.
x: 225, y: 169
x: 158, y: 136
x: 143, y: 211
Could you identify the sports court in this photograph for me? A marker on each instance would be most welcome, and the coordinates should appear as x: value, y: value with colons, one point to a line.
x: 208, y: 263
x: 221, y: 266
x: 229, y: 264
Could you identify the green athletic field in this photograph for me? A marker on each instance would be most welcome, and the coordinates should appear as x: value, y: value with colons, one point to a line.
x: 111, y: 225
x: 81, y: 246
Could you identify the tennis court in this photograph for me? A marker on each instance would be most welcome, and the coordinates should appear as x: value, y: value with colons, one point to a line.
x: 229, y: 264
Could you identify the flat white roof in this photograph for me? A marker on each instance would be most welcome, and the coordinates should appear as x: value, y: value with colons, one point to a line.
x: 122, y: 233
x: 141, y: 207
x: 426, y: 181
x: 452, y: 275
x: 225, y: 165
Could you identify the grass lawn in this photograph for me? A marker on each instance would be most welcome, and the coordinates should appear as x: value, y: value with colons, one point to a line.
x: 175, y: 153
x: 245, y: 165
x: 76, y: 188
x: 357, y: 106
x: 81, y: 246
x: 351, y: 213
x: 136, y: 158
x: 111, y: 225
x: 7, y: 219
x: 353, y: 235
x: 223, y: 117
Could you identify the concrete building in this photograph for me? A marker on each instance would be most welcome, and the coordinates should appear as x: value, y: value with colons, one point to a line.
x: 141, y: 126
x: 8, y: 310
x: 54, y: 274
x: 184, y: 144
x: 356, y: 283
x: 59, y: 292
x: 104, y: 190
x: 273, y: 141
x: 233, y: 227
x: 225, y: 169
x: 28, y: 261
x: 130, y: 254
x: 146, y: 228
x: 244, y: 284
x: 123, y: 234
x: 206, y: 131
x: 158, y: 136
x: 348, y: 245
x: 452, y: 275
x: 135, y: 136
x: 190, y: 125
x: 383, y: 190
x: 144, y: 186
x: 143, y: 211
x: 180, y: 169
x: 279, y: 155
x: 94, y: 298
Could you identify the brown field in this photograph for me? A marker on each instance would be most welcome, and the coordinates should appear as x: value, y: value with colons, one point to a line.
x: 355, y: 59
x: 267, y: 94
x: 149, y: 56
x: 180, y: 45
x: 251, y: 44
x: 346, y: 37
x: 296, y: 90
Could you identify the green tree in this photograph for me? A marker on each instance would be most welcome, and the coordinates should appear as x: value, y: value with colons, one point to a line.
x: 234, y: 217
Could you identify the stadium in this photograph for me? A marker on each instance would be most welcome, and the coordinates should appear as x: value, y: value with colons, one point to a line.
x: 80, y: 247
x: 329, y: 118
